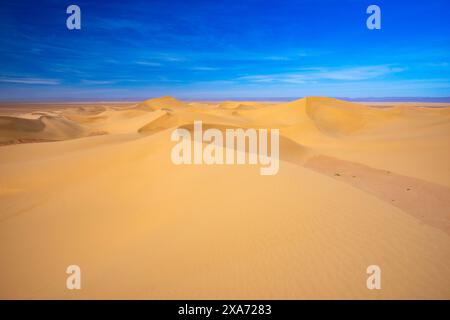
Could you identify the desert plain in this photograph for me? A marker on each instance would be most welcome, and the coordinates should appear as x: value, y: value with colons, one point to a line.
x: 93, y: 185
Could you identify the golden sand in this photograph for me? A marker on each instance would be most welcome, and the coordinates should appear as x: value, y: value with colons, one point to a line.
x: 358, y: 185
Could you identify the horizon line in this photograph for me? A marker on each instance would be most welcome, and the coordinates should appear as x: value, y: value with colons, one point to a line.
x: 131, y: 100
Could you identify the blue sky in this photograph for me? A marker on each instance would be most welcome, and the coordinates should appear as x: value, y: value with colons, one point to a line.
x: 223, y: 49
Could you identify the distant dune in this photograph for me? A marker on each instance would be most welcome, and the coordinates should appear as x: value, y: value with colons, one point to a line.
x: 358, y: 185
x: 44, y: 128
x: 161, y: 103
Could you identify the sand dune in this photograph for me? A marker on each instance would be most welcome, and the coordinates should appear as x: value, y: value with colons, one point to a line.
x: 44, y: 128
x: 168, y: 103
x: 427, y: 201
x: 241, y: 105
x: 357, y: 185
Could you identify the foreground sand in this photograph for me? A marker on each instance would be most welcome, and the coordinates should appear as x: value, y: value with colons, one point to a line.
x: 357, y: 186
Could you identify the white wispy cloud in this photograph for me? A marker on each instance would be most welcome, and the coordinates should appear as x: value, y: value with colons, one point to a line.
x: 149, y: 63
x: 315, y: 74
x: 274, y: 78
x: 166, y: 57
x: 356, y: 73
x: 200, y: 68
x: 97, y: 82
x: 29, y: 80
x: 276, y: 58
x: 284, y: 57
